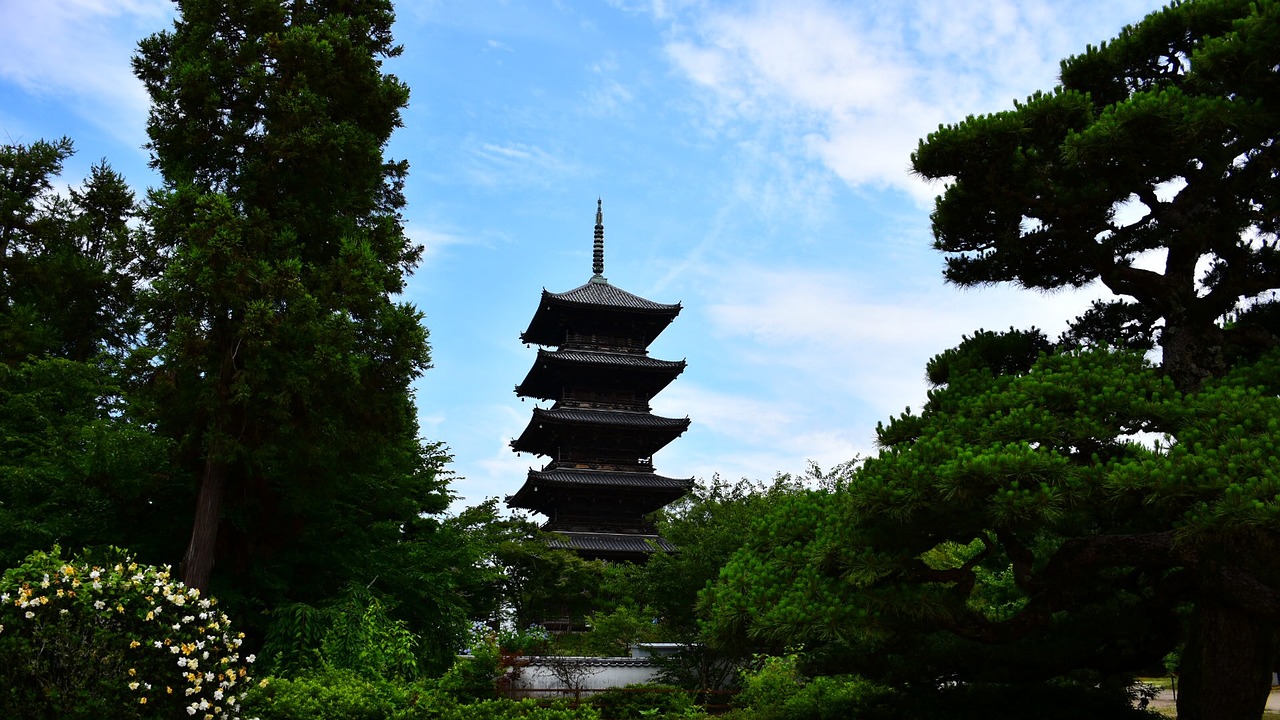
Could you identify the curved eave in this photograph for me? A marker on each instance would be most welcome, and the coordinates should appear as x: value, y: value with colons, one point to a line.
x: 641, y: 433
x: 596, y: 304
x: 555, y: 370
x: 605, y: 544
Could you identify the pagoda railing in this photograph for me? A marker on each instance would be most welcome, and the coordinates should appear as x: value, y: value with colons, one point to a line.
x: 596, y: 400
x: 603, y: 342
x: 563, y: 522
x: 578, y: 461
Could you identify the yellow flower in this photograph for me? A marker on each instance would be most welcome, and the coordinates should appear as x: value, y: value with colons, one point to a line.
x: 132, y: 672
x: 133, y: 644
x: 142, y: 701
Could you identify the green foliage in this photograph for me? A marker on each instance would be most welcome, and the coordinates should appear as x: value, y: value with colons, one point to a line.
x: 343, y: 695
x: 73, y: 467
x: 355, y: 633
x: 777, y: 690
x: 68, y: 264
x: 328, y: 694
x: 539, y: 582
x: 472, y: 679
x: 645, y: 701
x: 102, y: 636
x: 1020, y: 531
x: 614, y: 632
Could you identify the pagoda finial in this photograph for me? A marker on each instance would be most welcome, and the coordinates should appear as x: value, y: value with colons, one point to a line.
x: 597, y: 256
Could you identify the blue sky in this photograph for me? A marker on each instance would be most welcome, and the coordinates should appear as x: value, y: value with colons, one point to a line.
x: 753, y: 159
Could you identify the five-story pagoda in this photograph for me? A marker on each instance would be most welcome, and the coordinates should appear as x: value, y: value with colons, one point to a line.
x: 600, y: 433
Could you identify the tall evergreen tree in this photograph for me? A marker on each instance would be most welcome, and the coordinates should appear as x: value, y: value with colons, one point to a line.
x: 276, y: 355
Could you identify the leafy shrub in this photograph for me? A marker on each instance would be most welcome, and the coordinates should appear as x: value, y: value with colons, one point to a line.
x: 334, y: 694
x: 329, y: 694
x: 355, y: 632
x: 778, y: 691
x: 94, y: 637
x: 640, y: 701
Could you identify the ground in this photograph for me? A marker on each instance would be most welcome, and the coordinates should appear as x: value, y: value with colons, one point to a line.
x: 1164, y: 702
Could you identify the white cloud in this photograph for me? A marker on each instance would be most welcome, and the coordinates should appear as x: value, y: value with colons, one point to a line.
x: 433, y: 241
x: 80, y: 50
x: 861, y: 83
x: 823, y: 337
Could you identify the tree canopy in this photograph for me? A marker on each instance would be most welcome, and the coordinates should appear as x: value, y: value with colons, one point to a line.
x: 1151, y: 169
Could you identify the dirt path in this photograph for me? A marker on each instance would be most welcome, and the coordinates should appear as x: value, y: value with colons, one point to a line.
x: 1164, y: 702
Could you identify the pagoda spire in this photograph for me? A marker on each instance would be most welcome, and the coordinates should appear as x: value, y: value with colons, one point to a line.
x: 597, y: 255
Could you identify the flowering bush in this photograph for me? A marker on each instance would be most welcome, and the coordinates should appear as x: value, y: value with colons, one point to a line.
x: 86, y: 638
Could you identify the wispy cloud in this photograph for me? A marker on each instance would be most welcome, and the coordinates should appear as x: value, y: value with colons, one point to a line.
x: 434, y: 242
x: 516, y: 164
x: 79, y: 51
x: 860, y: 83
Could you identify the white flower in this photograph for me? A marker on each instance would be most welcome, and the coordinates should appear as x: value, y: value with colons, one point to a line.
x: 182, y: 662
x: 251, y: 658
x: 99, y: 605
x: 30, y: 614
x: 191, y: 709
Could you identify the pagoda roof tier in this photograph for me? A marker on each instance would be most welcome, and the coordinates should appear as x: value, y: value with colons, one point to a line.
x: 610, y: 544
x: 652, y: 491
x: 641, y: 433
x: 597, y: 308
x: 555, y: 370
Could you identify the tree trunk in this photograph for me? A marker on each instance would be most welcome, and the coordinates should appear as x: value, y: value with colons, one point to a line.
x: 1225, y: 673
x: 197, y: 564
x: 1192, y: 352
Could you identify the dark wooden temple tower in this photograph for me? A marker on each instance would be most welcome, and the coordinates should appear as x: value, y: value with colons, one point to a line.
x: 599, y: 433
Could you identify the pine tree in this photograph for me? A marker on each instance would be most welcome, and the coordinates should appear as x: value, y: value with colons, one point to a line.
x: 276, y: 355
